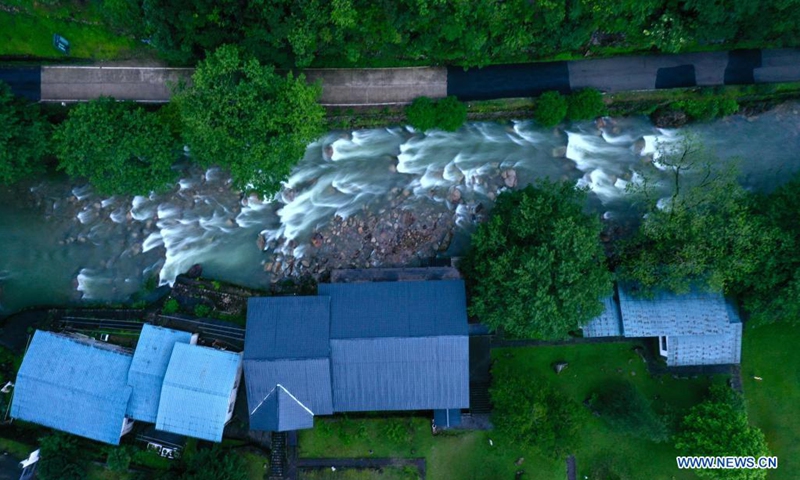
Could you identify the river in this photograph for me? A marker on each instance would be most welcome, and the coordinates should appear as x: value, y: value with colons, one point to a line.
x: 60, y: 243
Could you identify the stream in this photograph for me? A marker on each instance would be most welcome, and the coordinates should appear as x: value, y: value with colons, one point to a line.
x: 364, y: 198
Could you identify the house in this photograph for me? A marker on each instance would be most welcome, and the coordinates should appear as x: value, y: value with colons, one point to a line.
x: 76, y: 385
x: 697, y: 328
x: 383, y: 346
x: 96, y: 390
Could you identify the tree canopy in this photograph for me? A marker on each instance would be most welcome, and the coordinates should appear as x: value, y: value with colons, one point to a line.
x: 551, y: 108
x: 719, y: 427
x: 214, y: 464
x: 699, y: 229
x: 241, y: 115
x: 24, y: 138
x: 537, y: 268
x: 61, y: 458
x: 447, y: 114
x: 118, y: 146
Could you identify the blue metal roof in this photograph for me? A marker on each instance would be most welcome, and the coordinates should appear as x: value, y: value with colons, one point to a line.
x: 397, y: 309
x: 308, y: 380
x: 287, y: 327
x: 77, y: 386
x: 280, y: 411
x: 608, y: 324
x: 426, y: 373
x: 197, y: 390
x: 148, y: 369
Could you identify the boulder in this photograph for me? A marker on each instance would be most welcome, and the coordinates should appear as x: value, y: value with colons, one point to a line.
x: 559, y: 366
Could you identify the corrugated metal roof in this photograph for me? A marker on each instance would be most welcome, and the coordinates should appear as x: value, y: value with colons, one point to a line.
x: 79, y: 387
x: 608, y: 324
x: 196, y: 391
x: 309, y: 380
x: 694, y: 313
x: 148, y: 368
x: 281, y: 411
x: 287, y: 327
x: 397, y: 309
x: 721, y: 349
x: 400, y: 373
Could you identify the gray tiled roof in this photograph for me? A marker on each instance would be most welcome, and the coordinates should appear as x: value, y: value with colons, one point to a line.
x: 287, y: 327
x: 371, y: 374
x: 694, y: 313
x: 396, y: 309
x: 148, y: 368
x: 280, y: 411
x: 608, y: 324
x: 76, y: 386
x: 720, y: 349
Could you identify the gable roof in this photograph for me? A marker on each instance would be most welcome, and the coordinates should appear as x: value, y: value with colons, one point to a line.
x: 196, y: 391
x: 77, y: 386
x: 608, y: 324
x: 371, y: 374
x: 287, y: 327
x: 396, y: 309
x: 667, y: 314
x: 280, y: 411
x: 718, y: 349
x: 148, y: 368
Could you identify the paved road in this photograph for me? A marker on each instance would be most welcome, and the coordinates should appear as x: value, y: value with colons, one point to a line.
x: 386, y: 86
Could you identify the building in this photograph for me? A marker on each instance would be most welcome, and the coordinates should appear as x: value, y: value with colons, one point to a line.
x: 697, y: 328
x: 96, y: 390
x: 75, y: 385
x: 382, y: 346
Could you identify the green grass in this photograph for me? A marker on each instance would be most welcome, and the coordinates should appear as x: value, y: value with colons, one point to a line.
x: 590, y: 367
x: 254, y: 465
x: 463, y: 456
x: 389, y: 473
x: 17, y: 449
x: 29, y: 33
x: 99, y: 472
x: 773, y: 403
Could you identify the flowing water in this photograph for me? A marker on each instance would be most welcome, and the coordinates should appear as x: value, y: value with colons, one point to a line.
x: 62, y: 243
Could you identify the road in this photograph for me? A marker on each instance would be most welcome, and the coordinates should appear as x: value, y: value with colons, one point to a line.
x: 388, y: 86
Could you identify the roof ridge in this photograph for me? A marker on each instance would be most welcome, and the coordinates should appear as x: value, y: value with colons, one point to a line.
x: 295, y: 399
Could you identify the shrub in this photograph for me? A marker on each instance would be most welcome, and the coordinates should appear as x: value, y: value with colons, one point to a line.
x: 170, y: 306
x: 627, y: 410
x: 24, y: 138
x: 586, y: 104
x: 61, y: 458
x: 421, y: 114
x: 708, y: 108
x: 450, y: 114
x: 551, y: 108
x: 119, y: 459
x: 202, y: 311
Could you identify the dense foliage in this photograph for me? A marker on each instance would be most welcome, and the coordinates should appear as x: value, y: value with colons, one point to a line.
x: 708, y: 108
x: 242, y: 115
x: 537, y: 268
x: 628, y: 411
x: 61, y: 458
x: 119, y: 147
x: 551, y: 109
x: 24, y: 137
x: 446, y: 114
x: 529, y: 411
x: 773, y: 295
x: 467, y: 33
x: 719, y: 427
x: 214, y: 464
x: 119, y: 458
x: 586, y: 104
x: 705, y: 235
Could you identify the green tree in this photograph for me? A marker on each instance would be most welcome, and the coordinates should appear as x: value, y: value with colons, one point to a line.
x: 242, y: 115
x: 119, y: 458
x: 118, y: 146
x: 719, y: 427
x: 773, y: 293
x: 421, y: 114
x: 214, y: 464
x: 705, y: 235
x: 537, y: 268
x: 586, y: 104
x: 61, y: 458
x: 551, y: 108
x: 533, y: 413
x: 628, y: 411
x: 450, y: 114
x: 24, y: 138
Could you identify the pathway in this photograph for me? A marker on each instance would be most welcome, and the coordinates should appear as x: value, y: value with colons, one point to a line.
x: 390, y: 86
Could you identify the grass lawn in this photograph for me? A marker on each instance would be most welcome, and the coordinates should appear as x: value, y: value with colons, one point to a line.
x: 29, y: 32
x: 254, y: 465
x: 590, y: 367
x: 773, y: 403
x: 389, y: 473
x: 463, y: 456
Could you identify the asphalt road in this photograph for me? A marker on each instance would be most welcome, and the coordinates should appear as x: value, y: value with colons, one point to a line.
x: 385, y: 86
